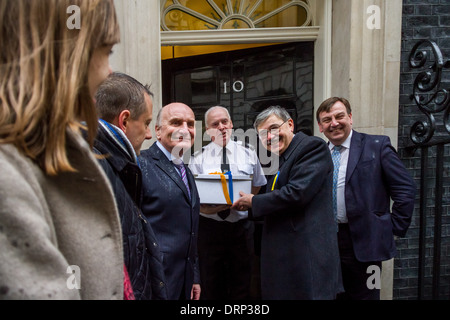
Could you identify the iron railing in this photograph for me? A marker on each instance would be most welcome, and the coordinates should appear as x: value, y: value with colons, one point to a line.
x: 433, y: 130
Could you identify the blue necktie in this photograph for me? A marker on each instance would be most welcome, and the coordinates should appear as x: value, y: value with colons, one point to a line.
x: 336, y: 157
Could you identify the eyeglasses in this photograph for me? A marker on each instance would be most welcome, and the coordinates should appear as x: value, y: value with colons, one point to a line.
x: 273, y: 128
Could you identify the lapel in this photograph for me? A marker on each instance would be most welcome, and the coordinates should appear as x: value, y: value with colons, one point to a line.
x: 193, y: 186
x: 167, y: 167
x: 356, y: 148
x: 299, y: 136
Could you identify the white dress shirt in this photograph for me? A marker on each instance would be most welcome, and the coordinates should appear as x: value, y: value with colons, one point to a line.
x: 243, y: 161
x: 345, y: 151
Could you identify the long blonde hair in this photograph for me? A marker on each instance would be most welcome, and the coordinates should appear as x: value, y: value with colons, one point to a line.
x: 44, y: 67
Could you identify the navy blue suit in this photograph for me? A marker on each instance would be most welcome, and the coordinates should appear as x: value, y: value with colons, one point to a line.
x: 174, y: 218
x: 375, y: 174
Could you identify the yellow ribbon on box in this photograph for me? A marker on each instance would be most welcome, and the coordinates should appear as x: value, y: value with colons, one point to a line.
x: 226, y: 190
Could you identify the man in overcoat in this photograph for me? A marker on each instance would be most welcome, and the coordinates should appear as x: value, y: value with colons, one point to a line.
x: 125, y: 107
x: 299, y: 251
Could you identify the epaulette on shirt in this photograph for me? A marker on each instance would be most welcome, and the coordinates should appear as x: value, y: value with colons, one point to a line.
x: 246, y: 145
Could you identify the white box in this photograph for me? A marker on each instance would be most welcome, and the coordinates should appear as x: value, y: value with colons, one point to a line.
x: 210, y: 188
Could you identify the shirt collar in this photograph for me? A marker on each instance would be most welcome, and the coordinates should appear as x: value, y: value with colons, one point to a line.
x: 218, y: 149
x: 346, y: 143
x: 165, y: 151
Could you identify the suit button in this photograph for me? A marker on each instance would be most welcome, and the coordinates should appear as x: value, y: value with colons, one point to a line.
x: 155, y: 244
x: 161, y: 284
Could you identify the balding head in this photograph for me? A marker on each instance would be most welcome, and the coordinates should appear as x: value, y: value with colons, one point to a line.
x: 175, y: 128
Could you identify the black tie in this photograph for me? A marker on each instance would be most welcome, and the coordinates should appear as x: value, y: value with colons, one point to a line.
x: 224, y: 214
x: 225, y: 166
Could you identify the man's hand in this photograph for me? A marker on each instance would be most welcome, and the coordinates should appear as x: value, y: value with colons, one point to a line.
x: 244, y: 202
x: 195, y: 292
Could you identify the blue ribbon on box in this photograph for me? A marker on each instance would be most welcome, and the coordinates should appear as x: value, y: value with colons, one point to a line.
x: 230, y: 185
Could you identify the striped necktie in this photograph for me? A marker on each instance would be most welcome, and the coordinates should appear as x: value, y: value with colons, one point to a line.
x: 182, y: 171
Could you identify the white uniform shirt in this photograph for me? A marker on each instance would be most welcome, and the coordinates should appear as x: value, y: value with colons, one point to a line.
x: 340, y: 199
x: 243, y: 161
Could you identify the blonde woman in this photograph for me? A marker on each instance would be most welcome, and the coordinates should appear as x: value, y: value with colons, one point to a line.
x: 60, y: 235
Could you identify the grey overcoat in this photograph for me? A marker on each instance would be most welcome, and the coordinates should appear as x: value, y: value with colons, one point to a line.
x: 56, y: 230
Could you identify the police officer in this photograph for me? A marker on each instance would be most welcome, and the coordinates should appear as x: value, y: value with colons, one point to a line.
x: 225, y: 239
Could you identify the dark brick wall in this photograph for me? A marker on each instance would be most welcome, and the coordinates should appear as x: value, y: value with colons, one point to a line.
x: 423, y: 20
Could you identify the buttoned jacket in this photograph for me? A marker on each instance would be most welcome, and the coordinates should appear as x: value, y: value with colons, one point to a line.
x: 375, y: 176
x: 174, y: 217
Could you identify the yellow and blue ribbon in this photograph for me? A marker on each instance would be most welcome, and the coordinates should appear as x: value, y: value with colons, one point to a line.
x: 227, y: 191
x: 275, y: 180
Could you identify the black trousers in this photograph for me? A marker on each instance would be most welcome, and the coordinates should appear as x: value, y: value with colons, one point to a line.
x: 226, y: 252
x: 354, y: 272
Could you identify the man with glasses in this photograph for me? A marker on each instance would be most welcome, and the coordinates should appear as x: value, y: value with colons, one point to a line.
x: 299, y: 252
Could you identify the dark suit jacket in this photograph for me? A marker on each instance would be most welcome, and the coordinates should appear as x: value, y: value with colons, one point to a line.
x: 174, y: 219
x: 299, y: 251
x: 375, y: 174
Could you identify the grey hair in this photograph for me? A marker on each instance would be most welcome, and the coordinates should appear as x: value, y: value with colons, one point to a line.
x: 213, y: 108
x: 273, y: 110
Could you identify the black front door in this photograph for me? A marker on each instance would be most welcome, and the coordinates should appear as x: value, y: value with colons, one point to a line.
x: 246, y: 82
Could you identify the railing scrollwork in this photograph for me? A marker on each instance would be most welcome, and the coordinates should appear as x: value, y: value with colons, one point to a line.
x: 428, y: 91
